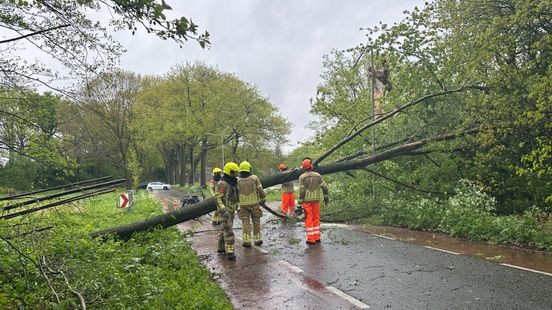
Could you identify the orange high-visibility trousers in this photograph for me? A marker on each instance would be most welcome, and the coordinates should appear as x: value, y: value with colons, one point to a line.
x: 312, y: 220
x: 288, y: 203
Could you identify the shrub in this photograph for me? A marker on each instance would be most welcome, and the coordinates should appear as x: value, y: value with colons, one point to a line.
x: 468, y: 214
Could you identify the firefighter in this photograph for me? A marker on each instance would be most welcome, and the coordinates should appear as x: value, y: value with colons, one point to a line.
x: 226, y: 197
x: 217, y: 174
x: 251, y: 196
x: 312, y: 189
x: 288, y: 196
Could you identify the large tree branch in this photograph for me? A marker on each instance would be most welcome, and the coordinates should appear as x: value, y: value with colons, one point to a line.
x: 389, y: 115
x: 33, y: 33
x: 401, y: 183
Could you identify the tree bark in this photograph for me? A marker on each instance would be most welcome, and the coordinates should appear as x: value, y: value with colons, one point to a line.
x: 192, y: 166
x: 203, y: 163
x: 183, y: 163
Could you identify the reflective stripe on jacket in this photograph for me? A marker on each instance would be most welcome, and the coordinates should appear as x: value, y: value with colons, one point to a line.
x: 287, y: 187
x: 250, y: 191
x: 312, y: 187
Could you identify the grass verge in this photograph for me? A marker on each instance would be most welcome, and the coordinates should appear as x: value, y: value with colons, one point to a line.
x: 50, y: 269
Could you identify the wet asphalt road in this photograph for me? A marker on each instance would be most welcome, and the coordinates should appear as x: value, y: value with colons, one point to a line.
x: 380, y: 273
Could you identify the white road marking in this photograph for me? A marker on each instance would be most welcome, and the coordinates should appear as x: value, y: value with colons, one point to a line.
x: 527, y: 269
x: 357, y: 303
x: 290, y: 266
x: 441, y: 250
x: 336, y: 225
x: 258, y: 248
x: 384, y: 237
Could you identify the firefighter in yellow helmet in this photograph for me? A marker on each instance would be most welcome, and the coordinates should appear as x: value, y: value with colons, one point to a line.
x: 251, y: 195
x: 312, y: 189
x: 226, y: 197
x: 217, y: 174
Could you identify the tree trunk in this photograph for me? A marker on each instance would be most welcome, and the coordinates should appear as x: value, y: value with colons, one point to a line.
x: 177, y: 160
x: 128, y: 179
x: 235, y: 142
x: 378, y: 94
x: 183, y: 162
x: 203, y: 165
x: 192, y: 166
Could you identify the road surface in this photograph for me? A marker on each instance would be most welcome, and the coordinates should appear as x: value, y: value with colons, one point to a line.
x: 351, y: 269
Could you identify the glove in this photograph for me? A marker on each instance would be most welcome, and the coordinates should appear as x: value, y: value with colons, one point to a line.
x: 298, y: 210
x: 326, y: 200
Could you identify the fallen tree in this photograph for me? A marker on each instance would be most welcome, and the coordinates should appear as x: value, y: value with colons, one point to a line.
x: 352, y: 162
x: 208, y: 205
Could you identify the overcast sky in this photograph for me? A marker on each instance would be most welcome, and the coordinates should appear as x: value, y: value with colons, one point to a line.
x: 276, y: 45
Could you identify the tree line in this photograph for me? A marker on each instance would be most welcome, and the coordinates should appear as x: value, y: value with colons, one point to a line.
x: 169, y: 127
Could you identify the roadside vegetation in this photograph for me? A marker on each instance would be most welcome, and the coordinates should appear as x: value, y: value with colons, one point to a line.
x: 485, y: 173
x: 469, y: 213
x: 55, y: 268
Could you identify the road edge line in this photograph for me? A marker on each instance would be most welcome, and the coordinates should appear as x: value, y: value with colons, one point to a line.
x: 291, y: 266
x: 384, y: 237
x: 441, y: 250
x: 527, y: 269
x: 357, y: 303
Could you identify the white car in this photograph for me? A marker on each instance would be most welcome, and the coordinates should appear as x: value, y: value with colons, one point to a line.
x: 158, y: 185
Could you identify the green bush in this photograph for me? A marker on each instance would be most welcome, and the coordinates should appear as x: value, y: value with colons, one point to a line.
x: 468, y: 214
x: 350, y: 199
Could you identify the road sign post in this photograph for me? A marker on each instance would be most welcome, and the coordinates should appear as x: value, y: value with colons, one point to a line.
x: 125, y: 200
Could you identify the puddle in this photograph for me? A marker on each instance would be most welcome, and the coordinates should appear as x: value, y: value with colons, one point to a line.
x: 537, y: 260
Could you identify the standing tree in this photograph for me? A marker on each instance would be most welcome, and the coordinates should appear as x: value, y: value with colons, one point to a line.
x: 99, y: 122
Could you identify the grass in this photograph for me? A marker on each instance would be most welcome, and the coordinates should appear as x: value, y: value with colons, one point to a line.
x: 154, y: 270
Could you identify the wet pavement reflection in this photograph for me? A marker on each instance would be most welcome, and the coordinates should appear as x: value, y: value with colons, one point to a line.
x: 358, y: 263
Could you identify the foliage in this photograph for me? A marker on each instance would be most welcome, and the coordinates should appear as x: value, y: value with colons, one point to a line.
x: 98, y: 123
x: 56, y: 44
x: 155, y: 270
x: 350, y: 199
x: 273, y: 194
x: 198, y: 107
x: 71, y: 34
x: 30, y: 149
x: 501, y: 46
x: 467, y: 214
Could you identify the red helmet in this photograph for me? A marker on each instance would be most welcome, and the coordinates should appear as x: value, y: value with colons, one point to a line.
x: 282, y: 167
x: 307, y: 164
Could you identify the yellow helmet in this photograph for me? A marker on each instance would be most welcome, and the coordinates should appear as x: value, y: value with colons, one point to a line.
x: 216, y: 170
x: 245, y: 167
x: 229, y: 167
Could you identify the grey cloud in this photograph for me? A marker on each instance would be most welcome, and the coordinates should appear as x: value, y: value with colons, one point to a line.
x: 277, y: 45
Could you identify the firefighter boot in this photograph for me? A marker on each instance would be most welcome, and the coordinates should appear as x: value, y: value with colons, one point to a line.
x: 258, y: 239
x: 246, y: 240
x: 230, y: 252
